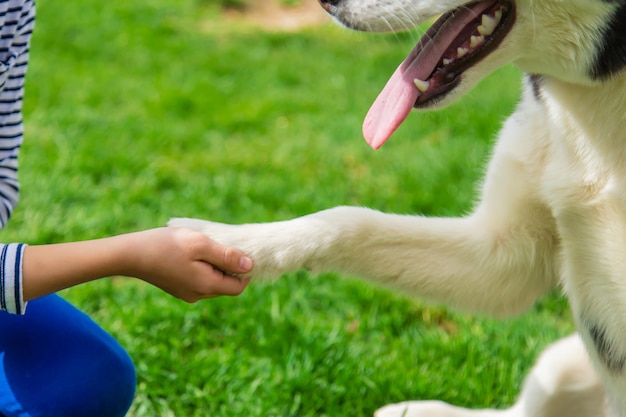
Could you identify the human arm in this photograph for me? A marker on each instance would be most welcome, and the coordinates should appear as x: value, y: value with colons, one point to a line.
x: 181, y: 262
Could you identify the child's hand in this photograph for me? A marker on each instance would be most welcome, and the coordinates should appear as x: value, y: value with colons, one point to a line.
x: 187, y: 264
x: 183, y: 262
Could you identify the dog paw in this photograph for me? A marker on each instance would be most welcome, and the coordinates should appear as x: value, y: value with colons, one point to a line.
x: 266, y: 243
x: 419, y: 409
x: 226, y: 234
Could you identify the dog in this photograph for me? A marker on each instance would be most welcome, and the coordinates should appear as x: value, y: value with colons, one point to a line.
x: 552, y: 207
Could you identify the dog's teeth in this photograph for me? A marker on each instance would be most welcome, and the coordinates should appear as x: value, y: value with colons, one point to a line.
x: 446, y: 61
x: 460, y: 52
x: 498, y: 15
x: 476, y: 41
x: 421, y: 85
x: 488, y: 25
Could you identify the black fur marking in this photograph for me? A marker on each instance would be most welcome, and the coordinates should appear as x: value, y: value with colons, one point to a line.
x: 536, y: 81
x: 611, y: 57
x: 614, y: 361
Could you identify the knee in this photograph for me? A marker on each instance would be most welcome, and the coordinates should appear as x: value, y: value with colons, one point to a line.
x: 59, y: 362
x: 563, y: 383
x: 92, y: 377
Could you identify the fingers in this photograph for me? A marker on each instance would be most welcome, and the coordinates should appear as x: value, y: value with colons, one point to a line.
x: 229, y: 285
x: 218, y: 264
x: 210, y: 283
x: 227, y: 259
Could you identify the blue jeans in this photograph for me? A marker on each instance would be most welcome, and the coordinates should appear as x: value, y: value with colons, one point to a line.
x: 56, y: 362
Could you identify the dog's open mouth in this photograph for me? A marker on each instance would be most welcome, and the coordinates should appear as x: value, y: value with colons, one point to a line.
x: 456, y: 41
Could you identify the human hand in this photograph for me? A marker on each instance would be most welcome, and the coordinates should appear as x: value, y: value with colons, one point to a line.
x: 183, y: 262
x: 186, y: 263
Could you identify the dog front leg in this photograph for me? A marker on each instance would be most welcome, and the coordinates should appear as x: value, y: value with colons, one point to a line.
x: 459, y: 261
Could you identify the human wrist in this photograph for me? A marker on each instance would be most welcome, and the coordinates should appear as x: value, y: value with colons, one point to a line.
x: 127, y: 258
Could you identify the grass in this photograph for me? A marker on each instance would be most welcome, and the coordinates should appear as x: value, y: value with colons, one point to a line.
x: 141, y: 111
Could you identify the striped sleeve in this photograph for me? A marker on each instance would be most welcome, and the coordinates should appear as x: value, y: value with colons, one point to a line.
x: 11, y: 295
x: 17, y: 19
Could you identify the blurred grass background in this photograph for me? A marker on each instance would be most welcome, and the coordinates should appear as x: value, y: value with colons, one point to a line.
x: 140, y: 111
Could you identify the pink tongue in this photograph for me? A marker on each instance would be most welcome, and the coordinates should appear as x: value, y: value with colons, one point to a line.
x: 392, y: 106
x: 398, y: 97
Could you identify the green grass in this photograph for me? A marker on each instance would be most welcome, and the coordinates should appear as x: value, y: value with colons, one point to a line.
x: 141, y: 111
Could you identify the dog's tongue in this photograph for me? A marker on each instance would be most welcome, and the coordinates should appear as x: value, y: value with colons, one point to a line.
x: 393, y: 104
x: 398, y: 97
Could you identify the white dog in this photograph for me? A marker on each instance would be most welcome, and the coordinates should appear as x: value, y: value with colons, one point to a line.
x: 553, y: 206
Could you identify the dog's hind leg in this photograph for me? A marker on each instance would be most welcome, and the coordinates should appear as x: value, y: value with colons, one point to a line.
x: 563, y: 383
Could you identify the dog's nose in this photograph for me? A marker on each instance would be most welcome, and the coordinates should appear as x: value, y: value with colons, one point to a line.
x: 329, y: 5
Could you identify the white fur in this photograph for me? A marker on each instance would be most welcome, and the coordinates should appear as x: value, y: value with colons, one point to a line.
x: 552, y: 211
